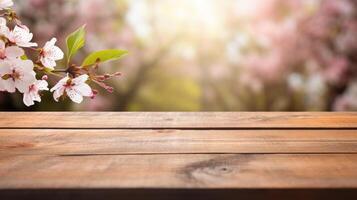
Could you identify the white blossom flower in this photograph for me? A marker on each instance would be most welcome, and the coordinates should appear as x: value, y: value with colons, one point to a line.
x: 16, y: 74
x: 21, y: 36
x: 75, y: 89
x: 4, y: 4
x: 50, y: 54
x: 4, y: 30
x: 11, y: 52
x: 32, y: 93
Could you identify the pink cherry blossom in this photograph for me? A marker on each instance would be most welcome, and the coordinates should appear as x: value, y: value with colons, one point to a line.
x: 21, y: 36
x: 32, y: 93
x: 4, y: 4
x: 16, y: 74
x: 10, y: 52
x: 4, y: 30
x: 76, y: 88
x: 50, y: 54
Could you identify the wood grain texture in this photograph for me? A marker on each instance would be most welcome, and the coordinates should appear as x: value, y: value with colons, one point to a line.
x: 178, y: 155
x: 229, y: 120
x: 239, y: 171
x: 111, y: 142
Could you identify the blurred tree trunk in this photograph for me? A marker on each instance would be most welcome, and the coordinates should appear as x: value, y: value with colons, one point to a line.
x: 140, y: 78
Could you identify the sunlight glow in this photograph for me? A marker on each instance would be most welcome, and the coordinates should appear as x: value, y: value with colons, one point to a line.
x: 172, y: 16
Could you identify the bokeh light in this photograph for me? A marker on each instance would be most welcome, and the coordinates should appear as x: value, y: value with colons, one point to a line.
x: 210, y: 55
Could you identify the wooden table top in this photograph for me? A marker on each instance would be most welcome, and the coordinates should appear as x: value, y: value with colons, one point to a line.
x: 171, y: 155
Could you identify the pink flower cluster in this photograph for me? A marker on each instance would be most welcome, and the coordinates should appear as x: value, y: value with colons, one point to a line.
x: 19, y: 73
x: 312, y: 38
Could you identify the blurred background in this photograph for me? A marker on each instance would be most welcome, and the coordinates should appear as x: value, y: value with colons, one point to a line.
x: 209, y: 55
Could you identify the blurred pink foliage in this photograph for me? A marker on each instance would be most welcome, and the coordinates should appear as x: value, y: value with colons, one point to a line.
x: 266, y: 55
x: 320, y: 42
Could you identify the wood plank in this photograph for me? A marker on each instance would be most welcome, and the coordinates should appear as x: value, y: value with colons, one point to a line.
x: 236, y: 171
x: 73, y: 142
x: 229, y: 120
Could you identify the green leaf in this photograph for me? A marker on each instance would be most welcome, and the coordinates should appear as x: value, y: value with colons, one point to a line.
x: 103, y: 56
x: 75, y: 41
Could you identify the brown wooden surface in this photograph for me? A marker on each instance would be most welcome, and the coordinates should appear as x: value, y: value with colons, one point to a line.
x: 97, y: 142
x: 178, y: 120
x: 180, y: 171
x: 173, y: 155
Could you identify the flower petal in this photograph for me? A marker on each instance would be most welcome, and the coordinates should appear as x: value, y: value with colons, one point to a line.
x: 26, y: 65
x: 60, y: 84
x: 21, y: 36
x: 27, y: 99
x: 23, y: 84
x: 6, y: 4
x: 14, y: 52
x: 80, y: 79
x: 36, y: 97
x: 84, y: 90
x: 56, y: 53
x: 58, y: 93
x: 41, y: 85
x: 5, y: 68
x: 50, y: 44
x: 74, y: 95
x: 47, y: 62
x: 9, y: 85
